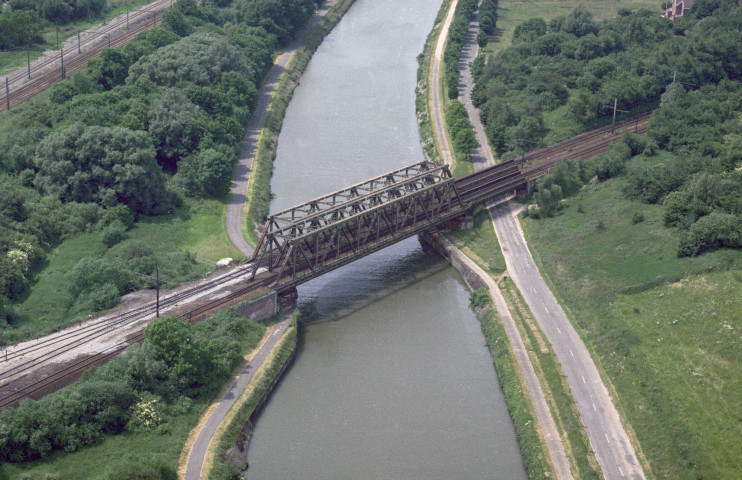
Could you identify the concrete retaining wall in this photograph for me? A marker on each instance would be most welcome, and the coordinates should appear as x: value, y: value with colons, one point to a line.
x: 434, y: 239
x: 259, y: 308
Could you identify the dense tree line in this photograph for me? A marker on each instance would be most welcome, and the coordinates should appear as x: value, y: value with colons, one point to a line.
x: 689, y: 162
x: 487, y: 21
x: 455, y: 43
x: 576, y: 64
x: 141, y: 389
x: 160, y: 118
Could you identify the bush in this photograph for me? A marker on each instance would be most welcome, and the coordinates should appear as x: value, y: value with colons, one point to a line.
x: 113, y: 233
x: 716, y: 230
x: 479, y: 298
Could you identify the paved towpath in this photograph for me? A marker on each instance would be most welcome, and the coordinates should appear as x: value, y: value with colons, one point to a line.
x: 532, y: 386
x: 206, y: 434
x: 238, y: 192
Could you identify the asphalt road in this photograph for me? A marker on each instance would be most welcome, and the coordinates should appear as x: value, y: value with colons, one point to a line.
x: 238, y: 192
x: 200, y: 446
x: 606, y: 433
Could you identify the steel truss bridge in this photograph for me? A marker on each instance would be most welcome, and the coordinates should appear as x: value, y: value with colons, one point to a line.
x: 308, y: 240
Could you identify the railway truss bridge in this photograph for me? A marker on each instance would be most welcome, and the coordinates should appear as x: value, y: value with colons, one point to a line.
x: 299, y: 244
x: 308, y: 240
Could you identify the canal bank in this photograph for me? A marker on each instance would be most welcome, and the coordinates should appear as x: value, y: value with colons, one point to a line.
x: 392, y: 378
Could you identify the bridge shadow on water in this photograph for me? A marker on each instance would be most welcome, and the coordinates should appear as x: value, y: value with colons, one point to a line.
x: 358, y: 286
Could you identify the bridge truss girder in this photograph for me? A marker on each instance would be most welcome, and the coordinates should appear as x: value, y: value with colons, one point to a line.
x: 326, y: 240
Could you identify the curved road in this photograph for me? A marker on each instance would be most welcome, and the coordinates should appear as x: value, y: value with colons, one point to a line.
x: 238, y: 192
x: 606, y: 432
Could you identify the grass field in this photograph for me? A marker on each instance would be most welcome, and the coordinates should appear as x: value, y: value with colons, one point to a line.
x: 480, y: 243
x: 665, y: 330
x: 511, y: 13
x: 197, y: 227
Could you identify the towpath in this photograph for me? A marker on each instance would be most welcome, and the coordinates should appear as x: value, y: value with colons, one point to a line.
x: 547, y: 426
x: 238, y: 192
x: 606, y: 432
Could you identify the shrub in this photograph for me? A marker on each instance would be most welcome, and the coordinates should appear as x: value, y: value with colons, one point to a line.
x: 113, y: 233
x: 479, y: 298
x: 638, y: 217
x: 716, y: 230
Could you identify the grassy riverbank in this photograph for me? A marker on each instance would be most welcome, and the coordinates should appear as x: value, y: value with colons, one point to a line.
x: 531, y: 447
x: 259, y: 188
x: 231, y: 431
x: 665, y: 330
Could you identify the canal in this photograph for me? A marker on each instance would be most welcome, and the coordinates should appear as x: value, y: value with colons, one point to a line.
x: 392, y: 378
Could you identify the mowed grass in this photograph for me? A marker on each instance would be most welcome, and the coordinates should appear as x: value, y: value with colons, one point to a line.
x: 197, y: 227
x: 480, y: 242
x: 665, y: 330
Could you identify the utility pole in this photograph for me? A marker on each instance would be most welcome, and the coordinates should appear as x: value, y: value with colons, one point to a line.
x: 157, y: 302
x: 61, y: 57
x: 28, y: 59
x: 127, y: 17
x: 57, y: 35
x: 109, y: 40
x: 615, y: 109
x: 78, y: 42
x: 7, y: 94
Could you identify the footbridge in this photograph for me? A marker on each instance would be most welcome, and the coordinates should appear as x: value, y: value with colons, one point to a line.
x: 308, y: 240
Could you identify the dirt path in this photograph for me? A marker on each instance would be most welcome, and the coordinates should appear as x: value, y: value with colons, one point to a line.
x: 532, y: 385
x: 605, y: 430
x: 439, y: 123
x: 238, y: 195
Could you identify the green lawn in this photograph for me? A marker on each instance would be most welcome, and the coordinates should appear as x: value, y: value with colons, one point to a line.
x: 666, y: 330
x: 480, y: 242
x: 197, y: 227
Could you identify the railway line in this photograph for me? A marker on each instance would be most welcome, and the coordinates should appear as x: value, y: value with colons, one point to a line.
x: 582, y: 146
x: 472, y: 189
x: 48, y: 71
x: 54, y: 346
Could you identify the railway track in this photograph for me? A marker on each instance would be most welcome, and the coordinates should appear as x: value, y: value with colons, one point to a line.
x: 47, y: 72
x: 69, y: 340
x: 581, y: 146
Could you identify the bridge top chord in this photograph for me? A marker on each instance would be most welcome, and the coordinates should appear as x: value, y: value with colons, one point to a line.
x: 365, y: 200
x: 330, y: 200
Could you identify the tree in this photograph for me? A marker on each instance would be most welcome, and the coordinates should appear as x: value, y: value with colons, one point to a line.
x: 579, y: 22
x: 530, y: 29
x: 188, y: 358
x: 175, y: 127
x: 19, y: 28
x: 102, y: 165
x: 581, y: 107
x: 674, y: 93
